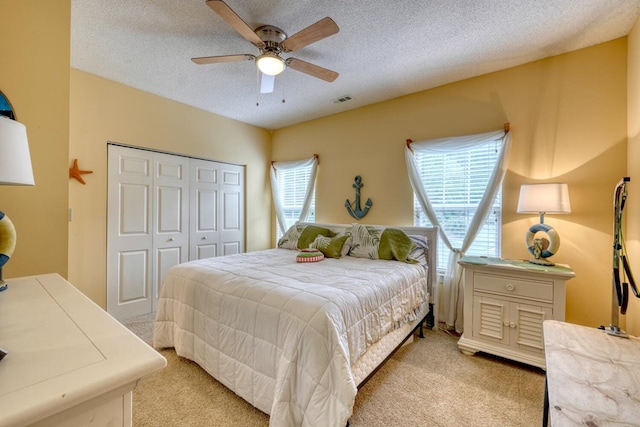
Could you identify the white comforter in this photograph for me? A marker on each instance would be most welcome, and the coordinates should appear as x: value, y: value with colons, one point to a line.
x: 281, y: 334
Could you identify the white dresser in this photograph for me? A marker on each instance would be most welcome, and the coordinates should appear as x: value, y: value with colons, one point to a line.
x: 505, y: 303
x: 69, y: 363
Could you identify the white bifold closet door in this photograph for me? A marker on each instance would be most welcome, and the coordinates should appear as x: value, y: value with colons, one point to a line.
x: 165, y: 209
x: 217, y: 209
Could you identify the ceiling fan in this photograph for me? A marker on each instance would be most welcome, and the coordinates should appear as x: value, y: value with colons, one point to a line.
x: 272, y: 41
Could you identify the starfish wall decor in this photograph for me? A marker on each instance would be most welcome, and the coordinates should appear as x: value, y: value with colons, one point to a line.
x: 75, y: 172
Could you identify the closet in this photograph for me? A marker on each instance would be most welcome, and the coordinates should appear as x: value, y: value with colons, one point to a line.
x: 164, y: 209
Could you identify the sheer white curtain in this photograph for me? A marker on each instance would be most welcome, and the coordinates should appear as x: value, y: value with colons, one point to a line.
x: 277, y: 197
x: 451, y: 293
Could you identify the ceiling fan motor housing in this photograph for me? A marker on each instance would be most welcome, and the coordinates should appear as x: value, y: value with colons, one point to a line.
x: 272, y: 37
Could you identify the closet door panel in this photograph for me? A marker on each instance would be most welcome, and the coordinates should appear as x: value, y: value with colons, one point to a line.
x: 171, y: 216
x: 205, y: 229
x: 129, y: 232
x: 232, y: 209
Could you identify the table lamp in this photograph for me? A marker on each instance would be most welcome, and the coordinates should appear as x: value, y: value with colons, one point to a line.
x: 547, y: 198
x: 15, y: 169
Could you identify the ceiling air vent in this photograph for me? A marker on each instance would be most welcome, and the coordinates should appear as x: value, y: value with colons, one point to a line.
x: 343, y: 98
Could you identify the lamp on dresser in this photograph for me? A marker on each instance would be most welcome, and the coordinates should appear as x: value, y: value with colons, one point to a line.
x: 546, y: 198
x: 15, y: 169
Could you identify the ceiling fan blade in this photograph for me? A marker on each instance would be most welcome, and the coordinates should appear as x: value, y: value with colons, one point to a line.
x: 312, y: 69
x: 314, y: 32
x: 235, y: 21
x: 267, y: 83
x: 223, y: 58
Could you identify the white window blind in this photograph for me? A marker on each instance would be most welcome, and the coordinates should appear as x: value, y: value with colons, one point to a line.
x: 292, y: 185
x: 455, y: 183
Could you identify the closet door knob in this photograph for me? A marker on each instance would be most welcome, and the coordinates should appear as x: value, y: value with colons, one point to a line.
x: 204, y: 238
x: 171, y: 239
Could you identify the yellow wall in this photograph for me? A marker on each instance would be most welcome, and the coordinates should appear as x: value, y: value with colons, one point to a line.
x: 34, y: 75
x: 568, y: 118
x: 101, y: 111
x: 632, y: 215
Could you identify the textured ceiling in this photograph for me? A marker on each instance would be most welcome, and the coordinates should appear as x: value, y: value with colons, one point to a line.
x: 383, y: 50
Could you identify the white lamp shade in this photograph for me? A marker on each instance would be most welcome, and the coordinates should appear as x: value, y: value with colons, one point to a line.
x: 551, y: 198
x: 270, y: 63
x: 15, y: 161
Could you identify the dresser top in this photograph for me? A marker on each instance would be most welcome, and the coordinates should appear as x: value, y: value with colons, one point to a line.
x: 63, y: 349
x: 561, y: 270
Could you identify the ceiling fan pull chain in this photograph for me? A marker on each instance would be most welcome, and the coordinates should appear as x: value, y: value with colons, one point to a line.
x: 258, y: 91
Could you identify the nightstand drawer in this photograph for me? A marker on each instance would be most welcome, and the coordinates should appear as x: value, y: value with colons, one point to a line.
x: 505, y: 285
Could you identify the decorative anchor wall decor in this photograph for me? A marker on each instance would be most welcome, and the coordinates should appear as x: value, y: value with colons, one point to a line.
x: 356, y: 211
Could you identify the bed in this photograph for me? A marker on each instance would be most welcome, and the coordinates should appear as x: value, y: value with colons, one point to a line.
x: 296, y: 339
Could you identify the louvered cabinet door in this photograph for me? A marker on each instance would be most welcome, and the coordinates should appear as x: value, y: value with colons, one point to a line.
x: 525, y: 325
x: 505, y: 303
x: 491, y: 319
x: 509, y: 323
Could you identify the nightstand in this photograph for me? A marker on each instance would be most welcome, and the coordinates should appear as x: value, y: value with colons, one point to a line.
x: 505, y: 303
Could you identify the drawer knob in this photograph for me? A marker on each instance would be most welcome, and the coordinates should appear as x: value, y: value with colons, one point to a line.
x: 510, y: 287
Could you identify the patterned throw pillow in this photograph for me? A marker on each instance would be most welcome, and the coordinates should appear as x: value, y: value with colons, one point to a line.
x: 421, y: 251
x: 290, y: 238
x: 380, y: 243
x: 330, y: 247
x: 309, y: 234
x: 365, y: 241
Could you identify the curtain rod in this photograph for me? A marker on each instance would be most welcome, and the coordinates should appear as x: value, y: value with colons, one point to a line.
x: 507, y: 128
x: 315, y: 156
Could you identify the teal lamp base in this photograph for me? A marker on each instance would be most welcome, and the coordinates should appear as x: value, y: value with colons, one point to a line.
x: 542, y: 248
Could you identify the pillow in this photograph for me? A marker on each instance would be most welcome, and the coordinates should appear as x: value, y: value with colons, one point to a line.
x: 347, y: 245
x: 290, y: 238
x: 421, y: 252
x: 330, y: 247
x: 396, y: 245
x: 309, y: 234
x: 309, y: 255
x: 381, y: 243
x: 365, y: 241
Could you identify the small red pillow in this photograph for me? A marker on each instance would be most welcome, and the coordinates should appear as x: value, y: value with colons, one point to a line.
x: 309, y: 255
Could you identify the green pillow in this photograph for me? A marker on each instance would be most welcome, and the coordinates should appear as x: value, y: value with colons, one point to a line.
x: 395, y: 245
x: 330, y: 247
x: 310, y: 233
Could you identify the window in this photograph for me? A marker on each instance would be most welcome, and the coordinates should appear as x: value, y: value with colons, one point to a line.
x: 292, y: 187
x: 455, y: 182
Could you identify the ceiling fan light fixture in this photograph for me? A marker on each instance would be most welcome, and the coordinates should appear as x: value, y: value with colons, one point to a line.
x: 270, y: 63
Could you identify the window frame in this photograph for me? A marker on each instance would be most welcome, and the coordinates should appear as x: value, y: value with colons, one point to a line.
x: 470, y: 191
x: 300, y: 176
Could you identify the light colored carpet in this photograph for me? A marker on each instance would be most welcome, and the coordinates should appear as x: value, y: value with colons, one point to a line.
x: 427, y: 383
